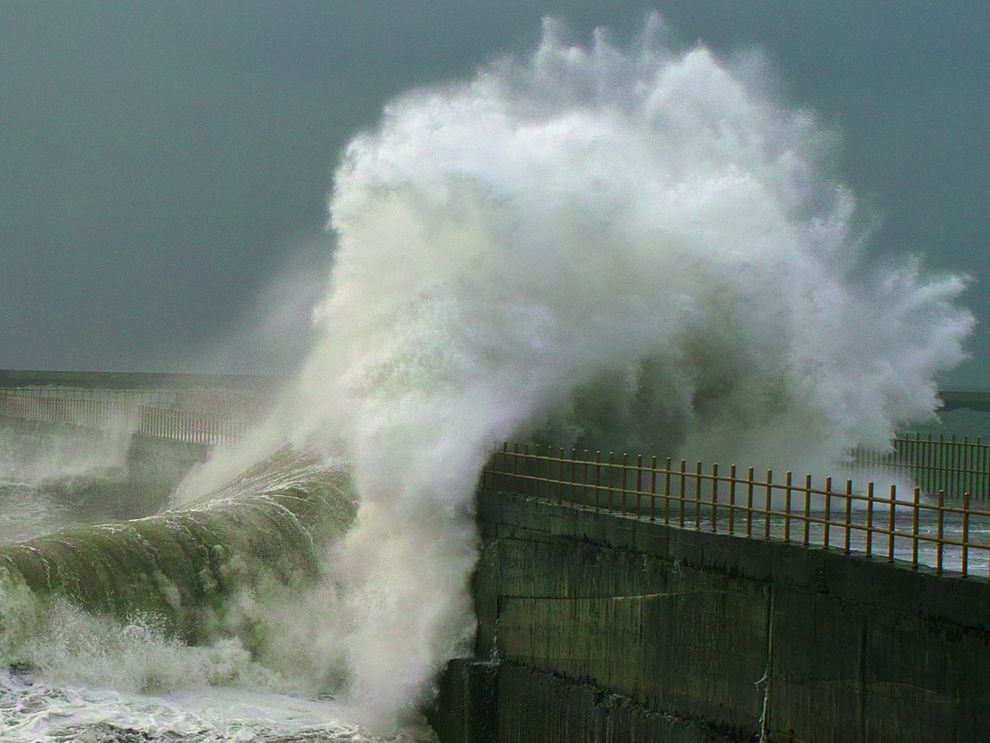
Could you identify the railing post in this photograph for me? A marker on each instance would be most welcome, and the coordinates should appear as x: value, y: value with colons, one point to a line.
x: 915, y: 511
x: 869, y: 520
x: 598, y: 479
x: 570, y: 490
x: 849, y: 488
x: 697, y: 496
x: 891, y: 523
x: 943, y: 463
x: 983, y: 467
x: 639, y: 484
x: 548, y: 477
x: 611, y: 478
x: 625, y: 479
x: 528, y: 481
x: 714, y: 498
x: 732, y: 498
x: 967, y: 465
x: 653, y: 489
x: 939, y: 531
x: 806, y: 537
x: 964, y: 557
x: 787, y: 506
x: 953, y: 466
x: 749, y: 502
x: 587, y: 477
x: 502, y: 479
x: 668, y: 467
x: 767, y: 504
x: 518, y: 478
x: 826, y: 527
x: 930, y: 460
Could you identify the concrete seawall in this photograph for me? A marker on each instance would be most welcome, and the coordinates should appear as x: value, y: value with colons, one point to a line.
x: 155, y: 466
x: 151, y: 469
x: 595, y: 627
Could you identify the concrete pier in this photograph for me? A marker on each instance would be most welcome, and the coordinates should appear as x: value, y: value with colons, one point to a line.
x: 596, y: 627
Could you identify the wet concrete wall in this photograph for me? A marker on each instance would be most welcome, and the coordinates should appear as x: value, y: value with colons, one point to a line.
x: 155, y: 466
x: 594, y: 627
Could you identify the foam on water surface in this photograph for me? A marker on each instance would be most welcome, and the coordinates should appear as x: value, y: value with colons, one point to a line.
x: 34, y: 710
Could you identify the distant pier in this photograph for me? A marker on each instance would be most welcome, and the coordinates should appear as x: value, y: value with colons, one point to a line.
x: 975, y: 399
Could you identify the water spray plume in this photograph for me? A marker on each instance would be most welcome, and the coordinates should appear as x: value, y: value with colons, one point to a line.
x: 634, y: 248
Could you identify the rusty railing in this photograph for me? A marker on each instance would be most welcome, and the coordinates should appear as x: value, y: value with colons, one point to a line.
x: 948, y: 536
x: 950, y: 464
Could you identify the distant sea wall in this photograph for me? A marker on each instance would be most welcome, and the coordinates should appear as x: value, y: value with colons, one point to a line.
x: 597, y: 628
x: 158, y: 465
x: 154, y: 465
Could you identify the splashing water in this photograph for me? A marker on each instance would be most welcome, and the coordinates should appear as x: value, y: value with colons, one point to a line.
x: 630, y: 248
x: 633, y: 248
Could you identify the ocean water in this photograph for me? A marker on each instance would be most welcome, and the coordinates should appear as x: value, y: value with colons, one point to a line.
x: 73, y: 674
x: 33, y: 709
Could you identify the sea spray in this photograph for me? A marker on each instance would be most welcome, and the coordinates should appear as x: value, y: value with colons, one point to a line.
x: 632, y: 248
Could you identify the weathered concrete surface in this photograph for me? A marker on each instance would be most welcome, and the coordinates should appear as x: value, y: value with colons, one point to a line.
x: 469, y: 691
x: 716, y: 637
x: 546, y: 706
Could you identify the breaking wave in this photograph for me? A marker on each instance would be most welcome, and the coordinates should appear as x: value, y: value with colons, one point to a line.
x: 634, y: 248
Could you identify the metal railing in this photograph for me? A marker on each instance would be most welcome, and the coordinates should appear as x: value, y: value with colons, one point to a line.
x: 880, y: 524
x: 123, y: 412
x: 950, y: 464
x: 193, y: 427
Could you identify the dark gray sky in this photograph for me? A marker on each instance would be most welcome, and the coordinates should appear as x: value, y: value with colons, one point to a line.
x: 164, y: 164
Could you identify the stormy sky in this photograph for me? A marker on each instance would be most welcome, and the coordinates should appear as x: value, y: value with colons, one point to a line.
x: 164, y: 165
